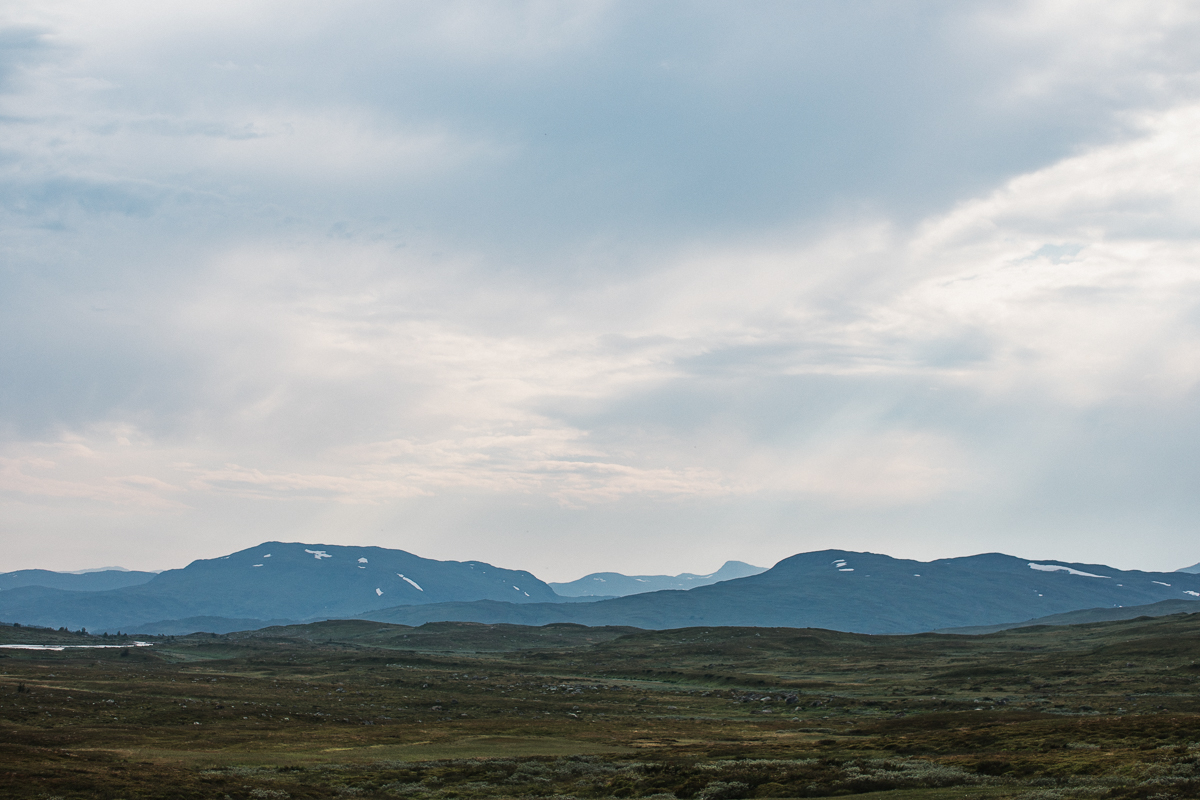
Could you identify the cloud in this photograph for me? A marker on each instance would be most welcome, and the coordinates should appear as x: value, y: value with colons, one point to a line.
x: 881, y: 268
x: 34, y: 478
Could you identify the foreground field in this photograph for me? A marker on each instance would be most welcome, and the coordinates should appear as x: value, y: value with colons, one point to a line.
x: 454, y: 710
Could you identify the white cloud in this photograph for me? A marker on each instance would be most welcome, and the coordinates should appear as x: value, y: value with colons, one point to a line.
x: 1082, y: 274
x: 368, y: 257
x: 449, y: 383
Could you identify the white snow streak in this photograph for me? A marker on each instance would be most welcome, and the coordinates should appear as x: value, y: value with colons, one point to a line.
x: 1057, y: 568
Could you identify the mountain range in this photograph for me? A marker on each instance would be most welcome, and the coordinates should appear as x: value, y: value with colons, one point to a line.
x: 848, y: 591
x: 90, y: 581
x: 834, y: 589
x: 614, y: 584
x: 275, y: 581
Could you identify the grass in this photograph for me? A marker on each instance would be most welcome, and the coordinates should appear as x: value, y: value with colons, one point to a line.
x: 450, y: 710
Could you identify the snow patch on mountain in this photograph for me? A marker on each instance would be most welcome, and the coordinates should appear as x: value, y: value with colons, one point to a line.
x: 1057, y: 568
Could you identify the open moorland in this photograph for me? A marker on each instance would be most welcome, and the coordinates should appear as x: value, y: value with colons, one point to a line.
x: 459, y: 710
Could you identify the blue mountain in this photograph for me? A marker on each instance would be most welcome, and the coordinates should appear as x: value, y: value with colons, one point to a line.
x: 276, y: 580
x: 614, y: 584
x: 849, y: 591
x: 94, y: 581
x: 836, y: 589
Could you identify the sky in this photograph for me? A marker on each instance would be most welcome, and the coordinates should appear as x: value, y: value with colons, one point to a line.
x: 582, y: 286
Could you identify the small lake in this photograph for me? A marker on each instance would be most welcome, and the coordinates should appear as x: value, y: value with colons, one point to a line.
x: 73, y: 646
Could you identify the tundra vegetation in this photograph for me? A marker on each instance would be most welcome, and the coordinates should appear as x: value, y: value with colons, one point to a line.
x: 461, y: 710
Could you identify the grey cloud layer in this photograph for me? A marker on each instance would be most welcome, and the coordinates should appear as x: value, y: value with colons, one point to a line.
x: 908, y: 276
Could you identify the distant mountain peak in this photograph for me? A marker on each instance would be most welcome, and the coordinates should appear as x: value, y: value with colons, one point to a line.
x: 97, y: 569
x: 272, y: 580
x: 615, y: 584
x: 860, y: 592
x: 83, y: 581
x: 836, y: 589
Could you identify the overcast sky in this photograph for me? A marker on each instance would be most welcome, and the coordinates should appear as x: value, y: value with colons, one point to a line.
x: 580, y: 286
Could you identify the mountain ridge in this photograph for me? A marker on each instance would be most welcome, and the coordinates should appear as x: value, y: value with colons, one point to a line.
x: 277, y: 580
x: 82, y: 581
x: 858, y: 592
x: 832, y: 589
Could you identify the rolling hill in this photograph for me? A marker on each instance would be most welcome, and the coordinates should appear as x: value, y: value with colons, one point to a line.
x: 1086, y: 616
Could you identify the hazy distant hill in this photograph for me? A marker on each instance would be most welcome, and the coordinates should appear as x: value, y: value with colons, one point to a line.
x: 1194, y: 568
x: 274, y: 581
x: 182, y: 627
x: 614, y: 584
x: 97, y: 581
x: 847, y: 591
x: 1164, y: 608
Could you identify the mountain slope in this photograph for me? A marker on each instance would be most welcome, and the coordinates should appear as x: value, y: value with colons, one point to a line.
x: 1164, y: 608
x: 614, y: 584
x: 861, y: 592
x: 277, y: 580
x: 97, y: 581
x: 1194, y: 569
